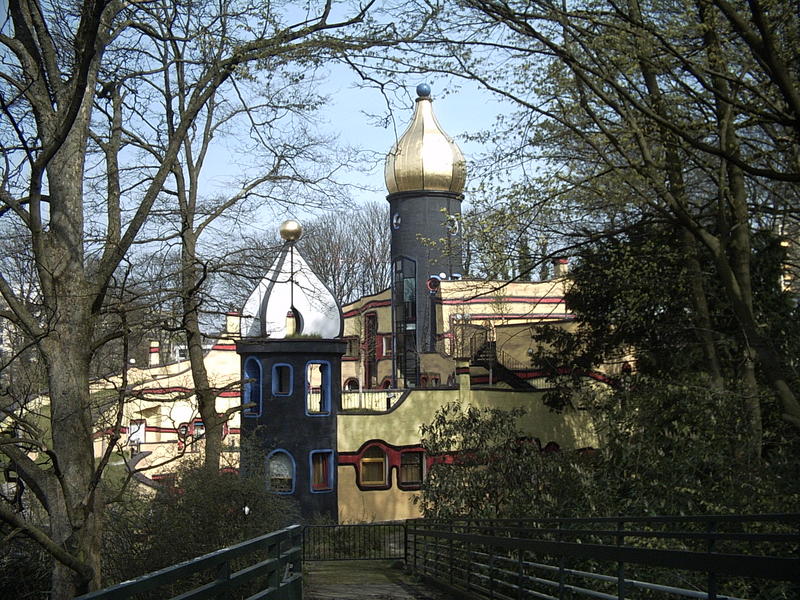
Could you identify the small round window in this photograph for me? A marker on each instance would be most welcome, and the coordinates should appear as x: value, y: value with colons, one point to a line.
x: 396, y: 220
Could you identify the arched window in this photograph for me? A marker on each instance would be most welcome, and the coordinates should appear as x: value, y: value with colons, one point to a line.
x: 373, y: 466
x: 351, y: 384
x: 280, y: 472
x: 252, y: 387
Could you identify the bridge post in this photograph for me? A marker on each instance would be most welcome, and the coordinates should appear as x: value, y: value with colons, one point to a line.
x: 223, y: 575
x: 450, y: 552
x: 405, y: 543
x: 620, y: 564
x: 561, y: 587
x: 520, y: 566
x: 712, y: 577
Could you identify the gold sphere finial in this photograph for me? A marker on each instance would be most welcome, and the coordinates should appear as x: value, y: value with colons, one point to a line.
x: 291, y: 230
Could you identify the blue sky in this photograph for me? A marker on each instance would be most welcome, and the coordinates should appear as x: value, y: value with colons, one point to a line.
x: 460, y: 107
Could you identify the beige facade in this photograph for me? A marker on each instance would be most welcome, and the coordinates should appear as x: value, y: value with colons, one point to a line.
x: 468, y: 313
x: 397, y: 431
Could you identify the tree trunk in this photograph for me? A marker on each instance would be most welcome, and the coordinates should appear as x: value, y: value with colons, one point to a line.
x: 733, y: 219
x: 677, y: 189
x: 76, y: 511
x: 76, y: 507
x: 205, y: 395
x: 701, y: 312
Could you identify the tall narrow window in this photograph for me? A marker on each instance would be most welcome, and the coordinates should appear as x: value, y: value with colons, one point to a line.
x: 321, y: 470
x: 373, y: 466
x: 371, y: 357
x: 282, y: 380
x: 280, y: 471
x: 318, y: 388
x: 411, y: 468
x: 137, y: 431
x: 404, y: 301
x: 252, y: 387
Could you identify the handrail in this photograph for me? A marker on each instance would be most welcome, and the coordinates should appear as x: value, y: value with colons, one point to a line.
x: 372, y: 400
x: 282, y: 570
x: 545, y: 557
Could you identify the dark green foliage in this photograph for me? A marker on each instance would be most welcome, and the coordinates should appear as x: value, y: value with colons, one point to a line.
x: 631, y: 294
x: 677, y: 448
x: 664, y: 449
x: 202, y: 513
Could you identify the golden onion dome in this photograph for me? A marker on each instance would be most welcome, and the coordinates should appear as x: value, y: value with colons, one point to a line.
x: 425, y: 157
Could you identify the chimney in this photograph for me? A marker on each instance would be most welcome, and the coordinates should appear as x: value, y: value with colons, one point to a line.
x: 291, y: 324
x: 560, y: 267
x: 155, y: 353
x: 233, y: 324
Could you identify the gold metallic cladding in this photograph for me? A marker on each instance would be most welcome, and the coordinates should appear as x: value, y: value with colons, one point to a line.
x: 291, y: 230
x: 425, y: 157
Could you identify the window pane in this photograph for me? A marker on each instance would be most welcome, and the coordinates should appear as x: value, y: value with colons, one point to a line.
x: 320, y: 471
x: 373, y: 466
x: 372, y: 472
x: 252, y: 386
x: 411, y: 467
x: 317, y: 384
x: 280, y: 472
x: 282, y: 380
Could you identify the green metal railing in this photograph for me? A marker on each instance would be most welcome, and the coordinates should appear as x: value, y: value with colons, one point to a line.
x: 716, y: 557
x: 273, y: 569
x: 369, y: 541
x: 613, y: 558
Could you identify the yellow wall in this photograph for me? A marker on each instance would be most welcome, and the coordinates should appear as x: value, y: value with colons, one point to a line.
x: 571, y: 429
x: 356, y: 506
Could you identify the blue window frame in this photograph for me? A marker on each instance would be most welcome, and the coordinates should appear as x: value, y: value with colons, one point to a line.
x: 282, y: 379
x: 321, y: 470
x: 252, y: 387
x: 317, y: 383
x: 280, y: 472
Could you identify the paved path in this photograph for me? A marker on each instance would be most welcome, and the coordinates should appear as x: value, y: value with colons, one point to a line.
x: 363, y: 580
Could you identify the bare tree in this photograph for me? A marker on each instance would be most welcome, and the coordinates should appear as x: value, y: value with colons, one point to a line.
x: 76, y: 102
x: 684, y: 112
x: 349, y: 251
x: 287, y: 168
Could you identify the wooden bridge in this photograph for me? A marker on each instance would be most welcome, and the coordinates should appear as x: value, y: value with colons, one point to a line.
x: 617, y: 558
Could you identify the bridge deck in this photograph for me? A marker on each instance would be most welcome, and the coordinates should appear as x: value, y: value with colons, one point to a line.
x: 363, y: 580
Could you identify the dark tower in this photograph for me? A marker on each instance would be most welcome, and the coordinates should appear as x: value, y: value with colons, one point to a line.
x: 292, y: 386
x: 425, y: 175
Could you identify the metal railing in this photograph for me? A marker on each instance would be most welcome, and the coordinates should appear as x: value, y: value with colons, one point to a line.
x: 370, y: 541
x: 274, y: 570
x: 612, y: 558
x: 373, y: 400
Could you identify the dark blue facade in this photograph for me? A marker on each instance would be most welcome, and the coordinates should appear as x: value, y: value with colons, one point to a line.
x: 294, y: 422
x: 426, y: 241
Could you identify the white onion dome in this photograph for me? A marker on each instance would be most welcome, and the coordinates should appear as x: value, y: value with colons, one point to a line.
x: 291, y: 299
x: 425, y: 158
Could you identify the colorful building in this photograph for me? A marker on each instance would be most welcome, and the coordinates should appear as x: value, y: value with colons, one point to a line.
x: 334, y: 397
